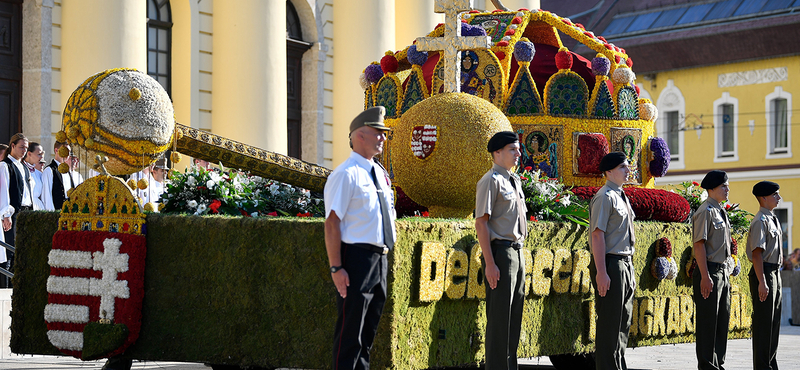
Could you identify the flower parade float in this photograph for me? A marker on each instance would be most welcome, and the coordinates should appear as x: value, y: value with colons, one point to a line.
x: 256, y: 291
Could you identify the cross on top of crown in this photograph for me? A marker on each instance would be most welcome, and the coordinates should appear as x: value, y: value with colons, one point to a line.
x: 452, y: 42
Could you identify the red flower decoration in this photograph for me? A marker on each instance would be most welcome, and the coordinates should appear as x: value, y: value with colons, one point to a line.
x: 601, y: 38
x: 592, y: 148
x: 502, y: 43
x: 629, y: 62
x: 500, y: 55
x: 648, y: 204
x: 727, y: 206
x: 516, y: 20
x: 563, y: 60
x: 608, y: 46
x: 510, y: 32
x: 695, y: 183
x: 389, y: 64
x: 523, y: 178
x: 244, y: 213
x: 474, y: 11
x: 617, y: 58
x: 566, y: 21
x: 273, y: 214
x: 214, y: 206
x: 528, y: 168
x: 425, y: 214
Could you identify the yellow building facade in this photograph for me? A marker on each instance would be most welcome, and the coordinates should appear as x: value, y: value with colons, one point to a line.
x: 737, y: 117
x: 229, y: 66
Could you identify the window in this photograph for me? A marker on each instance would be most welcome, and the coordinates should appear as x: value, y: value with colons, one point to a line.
x: 779, y: 129
x: 784, y: 214
x: 671, y: 135
x: 159, y: 42
x: 668, y: 126
x: 726, y: 112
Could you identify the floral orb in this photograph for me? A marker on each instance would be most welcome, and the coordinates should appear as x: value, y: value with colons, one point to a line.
x: 123, y: 114
x: 470, y: 30
x: 661, y: 157
x: 673, y: 269
x: 660, y: 268
x: 623, y: 75
x: 439, y: 169
x: 389, y: 63
x: 664, y: 247
x: 373, y: 73
x: 362, y: 80
x: 601, y: 65
x: 417, y: 57
x: 524, y: 50
x: 142, y: 184
x: 563, y: 59
x: 647, y: 111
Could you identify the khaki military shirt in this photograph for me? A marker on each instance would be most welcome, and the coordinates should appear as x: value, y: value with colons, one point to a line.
x: 496, y: 196
x: 765, y: 233
x: 610, y: 213
x: 710, y: 223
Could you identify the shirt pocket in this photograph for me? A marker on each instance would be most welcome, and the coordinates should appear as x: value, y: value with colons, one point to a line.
x: 363, y: 196
x: 718, y: 224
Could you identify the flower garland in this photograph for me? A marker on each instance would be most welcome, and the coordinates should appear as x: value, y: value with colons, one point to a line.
x: 648, y: 204
x: 218, y: 191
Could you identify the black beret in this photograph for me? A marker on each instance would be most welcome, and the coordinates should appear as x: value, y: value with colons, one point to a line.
x: 764, y: 188
x: 500, y: 140
x: 611, y: 160
x: 713, y: 179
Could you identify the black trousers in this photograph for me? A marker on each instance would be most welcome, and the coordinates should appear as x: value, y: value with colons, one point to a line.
x: 361, y: 311
x: 5, y: 281
x: 504, y: 308
x: 712, y: 317
x: 614, y: 313
x: 766, y: 318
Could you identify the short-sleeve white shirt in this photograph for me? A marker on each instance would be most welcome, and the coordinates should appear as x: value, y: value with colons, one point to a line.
x: 351, y: 193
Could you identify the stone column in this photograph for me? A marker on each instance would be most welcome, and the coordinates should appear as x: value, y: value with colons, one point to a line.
x: 249, y: 99
x: 417, y: 19
x: 37, y: 63
x: 97, y: 35
x: 363, y: 31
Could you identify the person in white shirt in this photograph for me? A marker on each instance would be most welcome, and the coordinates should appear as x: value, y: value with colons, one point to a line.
x: 32, y: 159
x: 17, y: 182
x: 55, y: 184
x: 155, y: 183
x: 359, y: 232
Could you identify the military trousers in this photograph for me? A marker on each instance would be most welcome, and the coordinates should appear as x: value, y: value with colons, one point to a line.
x: 614, y: 313
x: 712, y: 316
x: 359, y: 312
x: 766, y: 318
x: 504, y: 309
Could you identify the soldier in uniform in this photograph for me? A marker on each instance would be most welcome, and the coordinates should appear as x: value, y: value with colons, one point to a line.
x: 711, y: 288
x: 359, y: 232
x: 501, y: 227
x: 612, y: 244
x: 764, y: 249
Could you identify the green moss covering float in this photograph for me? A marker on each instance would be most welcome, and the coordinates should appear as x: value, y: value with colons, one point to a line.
x: 257, y: 292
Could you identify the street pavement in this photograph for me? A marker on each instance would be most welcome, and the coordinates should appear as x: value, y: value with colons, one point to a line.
x: 666, y: 357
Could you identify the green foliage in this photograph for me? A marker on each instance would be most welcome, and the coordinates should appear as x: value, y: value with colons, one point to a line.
x: 257, y: 292
x: 100, y: 339
x: 739, y: 218
x: 218, y: 191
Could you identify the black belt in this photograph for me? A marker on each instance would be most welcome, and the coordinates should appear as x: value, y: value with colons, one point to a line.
x: 501, y: 243
x: 370, y: 247
x: 771, y: 266
x: 25, y: 208
x: 714, y: 266
x: 619, y: 257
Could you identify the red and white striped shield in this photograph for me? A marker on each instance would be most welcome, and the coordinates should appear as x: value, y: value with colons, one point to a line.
x: 423, y: 140
x: 94, y: 276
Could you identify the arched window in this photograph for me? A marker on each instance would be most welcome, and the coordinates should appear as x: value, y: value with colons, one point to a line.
x: 159, y: 42
x: 295, y: 47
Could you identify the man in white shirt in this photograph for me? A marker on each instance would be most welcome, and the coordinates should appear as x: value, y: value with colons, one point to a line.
x: 56, y: 184
x: 17, y: 180
x: 359, y: 232
x: 155, y: 183
x: 32, y: 158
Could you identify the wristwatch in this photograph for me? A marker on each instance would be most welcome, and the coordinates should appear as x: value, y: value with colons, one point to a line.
x: 335, y: 269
